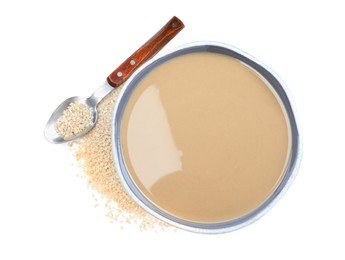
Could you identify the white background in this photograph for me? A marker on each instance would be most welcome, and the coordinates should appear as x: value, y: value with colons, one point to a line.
x: 51, y: 50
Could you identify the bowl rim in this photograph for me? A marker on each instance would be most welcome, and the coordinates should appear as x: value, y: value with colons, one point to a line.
x: 221, y: 227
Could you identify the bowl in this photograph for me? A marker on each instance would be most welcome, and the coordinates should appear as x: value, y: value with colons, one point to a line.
x: 201, y: 223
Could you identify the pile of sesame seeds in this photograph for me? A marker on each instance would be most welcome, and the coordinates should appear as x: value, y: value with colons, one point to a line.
x: 93, y: 153
x: 74, y: 119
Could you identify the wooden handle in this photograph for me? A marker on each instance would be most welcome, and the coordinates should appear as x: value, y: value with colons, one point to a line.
x: 145, y: 52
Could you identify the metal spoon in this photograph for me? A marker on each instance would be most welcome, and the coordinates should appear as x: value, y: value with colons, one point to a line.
x: 115, y: 79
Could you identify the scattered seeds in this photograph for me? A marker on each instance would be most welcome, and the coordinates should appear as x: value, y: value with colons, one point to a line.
x: 74, y: 119
x: 93, y: 153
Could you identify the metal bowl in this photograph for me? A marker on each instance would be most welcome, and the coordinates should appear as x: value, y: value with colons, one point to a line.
x: 286, y: 101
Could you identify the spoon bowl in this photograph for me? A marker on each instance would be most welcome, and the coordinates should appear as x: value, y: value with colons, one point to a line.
x: 51, y: 132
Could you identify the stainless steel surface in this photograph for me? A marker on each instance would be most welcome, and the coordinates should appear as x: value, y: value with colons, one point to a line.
x: 51, y: 133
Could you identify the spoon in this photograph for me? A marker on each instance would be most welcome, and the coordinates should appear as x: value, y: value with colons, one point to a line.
x: 115, y: 79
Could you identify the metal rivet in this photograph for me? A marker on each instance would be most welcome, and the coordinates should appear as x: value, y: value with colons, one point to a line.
x: 132, y: 62
x: 119, y: 74
x: 174, y: 24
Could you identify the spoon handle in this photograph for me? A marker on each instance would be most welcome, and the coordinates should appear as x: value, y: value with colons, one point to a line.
x: 145, y: 52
